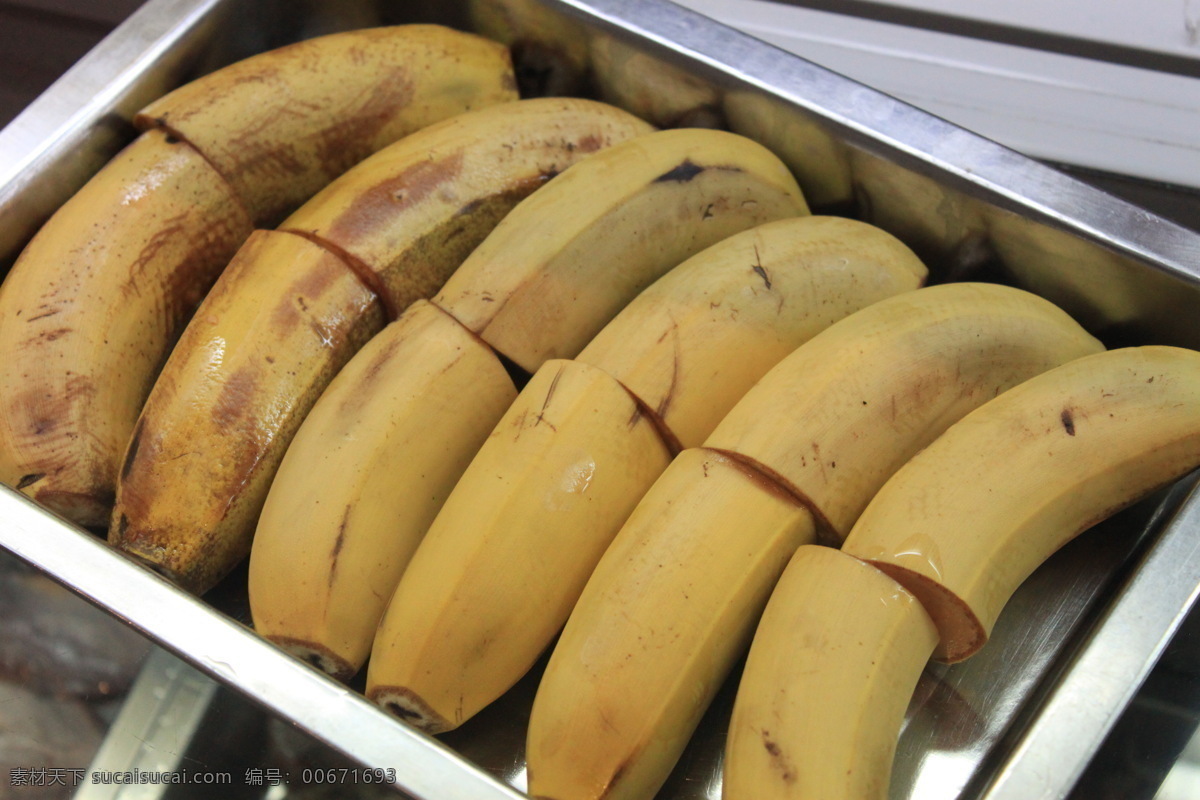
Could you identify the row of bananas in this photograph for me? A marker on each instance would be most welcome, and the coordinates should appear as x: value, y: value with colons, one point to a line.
x: 506, y: 370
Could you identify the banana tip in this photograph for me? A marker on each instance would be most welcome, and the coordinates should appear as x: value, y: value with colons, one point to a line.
x: 404, y: 704
x: 317, y: 655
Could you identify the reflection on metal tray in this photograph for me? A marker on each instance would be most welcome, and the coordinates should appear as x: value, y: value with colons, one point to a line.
x: 991, y: 727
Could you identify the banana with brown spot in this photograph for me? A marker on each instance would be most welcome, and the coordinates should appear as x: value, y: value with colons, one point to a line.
x: 91, y: 309
x: 833, y: 665
x: 407, y: 217
x: 282, y: 124
x: 950, y: 537
x: 568, y: 259
x: 1064, y: 451
x: 362, y: 480
x: 485, y: 593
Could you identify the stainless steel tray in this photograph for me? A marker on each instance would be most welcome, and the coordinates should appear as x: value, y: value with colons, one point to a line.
x: 1022, y: 719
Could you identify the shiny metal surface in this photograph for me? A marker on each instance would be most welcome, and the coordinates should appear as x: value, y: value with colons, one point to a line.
x: 233, y: 655
x: 968, y: 206
x: 157, y: 720
x: 1054, y: 749
x: 64, y: 136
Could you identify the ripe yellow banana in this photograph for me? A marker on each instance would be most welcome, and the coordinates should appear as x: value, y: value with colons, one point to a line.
x: 690, y: 346
x: 90, y: 310
x: 93, y: 306
x: 679, y: 589
x: 830, y: 674
x: 410, y: 215
x: 362, y: 480
x: 648, y: 645
x: 568, y: 259
x: 193, y: 518
x: 478, y: 604
x: 282, y: 124
x: 1060, y: 453
x: 686, y: 347
x: 943, y: 351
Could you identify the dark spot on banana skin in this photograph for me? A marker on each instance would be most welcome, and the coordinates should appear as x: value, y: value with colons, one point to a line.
x: 29, y: 480
x: 1068, y: 422
x: 680, y: 174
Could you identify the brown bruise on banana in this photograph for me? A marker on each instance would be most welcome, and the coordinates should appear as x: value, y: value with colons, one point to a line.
x: 250, y: 418
x: 255, y: 154
x: 162, y: 217
x: 336, y: 550
x: 420, y: 264
x: 779, y: 760
x: 428, y: 262
x: 283, y: 124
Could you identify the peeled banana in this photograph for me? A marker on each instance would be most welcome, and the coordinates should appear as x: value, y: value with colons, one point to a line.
x: 833, y: 665
x: 691, y: 345
x: 363, y: 478
x: 91, y: 309
x: 675, y: 599
x: 269, y: 337
x: 1065, y: 450
x: 484, y: 593
x: 554, y: 272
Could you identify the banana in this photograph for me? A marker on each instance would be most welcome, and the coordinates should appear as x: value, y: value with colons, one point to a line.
x: 842, y: 642
x: 555, y: 271
x: 91, y: 309
x: 282, y: 124
x: 416, y: 210
x: 620, y: 696
x: 238, y: 367
x: 549, y: 49
x: 341, y: 522
x: 686, y: 347
x: 281, y: 321
x: 674, y: 600
x: 943, y: 351
x: 650, y: 87
x: 691, y: 345
x: 89, y: 312
x: 479, y: 604
x: 833, y: 666
x: 1064, y: 450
